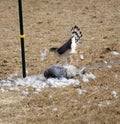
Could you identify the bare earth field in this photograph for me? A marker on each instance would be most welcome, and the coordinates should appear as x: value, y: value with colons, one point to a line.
x: 47, y: 24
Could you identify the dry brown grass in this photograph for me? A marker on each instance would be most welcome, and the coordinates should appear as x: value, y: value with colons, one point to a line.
x: 71, y: 107
x: 48, y: 23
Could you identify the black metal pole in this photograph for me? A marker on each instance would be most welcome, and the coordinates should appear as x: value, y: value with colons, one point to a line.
x: 22, y: 38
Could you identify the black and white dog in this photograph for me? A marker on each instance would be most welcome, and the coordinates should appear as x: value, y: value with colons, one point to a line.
x: 70, y: 46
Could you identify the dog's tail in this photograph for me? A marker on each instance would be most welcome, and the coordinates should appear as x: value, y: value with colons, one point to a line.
x: 76, y: 32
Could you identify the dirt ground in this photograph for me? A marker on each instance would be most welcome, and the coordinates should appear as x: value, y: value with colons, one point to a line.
x: 47, y: 23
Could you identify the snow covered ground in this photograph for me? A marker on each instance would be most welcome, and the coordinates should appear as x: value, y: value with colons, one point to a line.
x: 38, y: 82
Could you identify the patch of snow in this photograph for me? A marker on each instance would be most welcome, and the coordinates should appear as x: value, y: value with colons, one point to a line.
x: 87, y: 76
x: 25, y: 92
x: 54, y: 82
x: 84, y: 107
x: 54, y: 109
x: 34, y: 81
x: 5, y: 83
x: 10, y: 78
x: 43, y: 54
x: 99, y: 105
x: 82, y: 70
x: 37, y: 82
x: 85, y: 79
x: 80, y: 91
x: 114, y: 94
x: 114, y: 53
x: 105, y: 62
x: 2, y: 89
x: 109, y: 66
x: 91, y: 76
x: 37, y: 90
x: 50, y: 96
x: 13, y: 89
x: 82, y: 57
x: 108, y: 103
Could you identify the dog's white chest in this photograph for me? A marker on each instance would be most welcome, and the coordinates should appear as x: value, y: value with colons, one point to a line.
x: 73, y: 46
